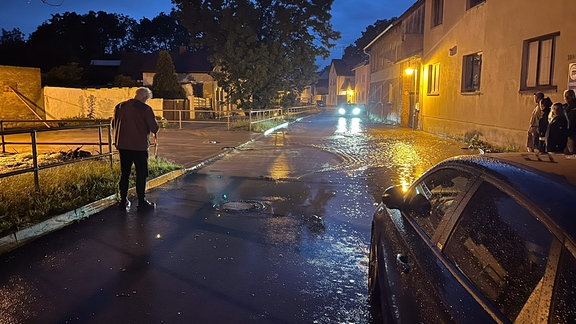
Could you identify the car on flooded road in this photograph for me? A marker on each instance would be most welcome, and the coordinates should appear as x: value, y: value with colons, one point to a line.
x: 351, y: 109
x: 478, y: 239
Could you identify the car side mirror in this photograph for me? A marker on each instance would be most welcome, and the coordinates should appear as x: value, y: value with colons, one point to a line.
x: 419, y: 206
x: 393, y: 197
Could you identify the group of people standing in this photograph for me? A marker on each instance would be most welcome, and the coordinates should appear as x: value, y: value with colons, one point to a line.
x: 553, y: 125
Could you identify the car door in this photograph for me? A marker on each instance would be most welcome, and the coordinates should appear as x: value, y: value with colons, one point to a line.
x: 500, y: 252
x: 413, y: 276
x: 563, y: 308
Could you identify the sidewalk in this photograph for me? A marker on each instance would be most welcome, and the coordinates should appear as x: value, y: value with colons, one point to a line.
x: 197, y: 143
x: 190, y: 147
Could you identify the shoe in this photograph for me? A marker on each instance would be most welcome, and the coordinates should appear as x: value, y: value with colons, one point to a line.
x: 146, y: 205
x: 124, y: 205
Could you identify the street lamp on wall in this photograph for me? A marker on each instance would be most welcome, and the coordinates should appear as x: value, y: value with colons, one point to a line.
x: 350, y: 95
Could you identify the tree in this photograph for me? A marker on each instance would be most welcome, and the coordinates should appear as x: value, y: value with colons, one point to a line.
x: 163, y: 32
x: 70, y: 37
x: 124, y: 81
x: 165, y: 83
x: 260, y: 47
x: 12, y: 47
x: 68, y: 75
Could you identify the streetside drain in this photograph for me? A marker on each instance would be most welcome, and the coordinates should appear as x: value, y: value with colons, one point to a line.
x: 243, y: 205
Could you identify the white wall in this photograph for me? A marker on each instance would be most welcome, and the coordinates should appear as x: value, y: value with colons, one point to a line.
x: 63, y: 103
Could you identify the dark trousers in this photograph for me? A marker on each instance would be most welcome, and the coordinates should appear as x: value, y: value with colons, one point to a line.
x: 140, y: 161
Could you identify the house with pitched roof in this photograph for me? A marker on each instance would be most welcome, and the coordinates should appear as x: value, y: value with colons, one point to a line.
x: 194, y: 71
x: 340, y: 83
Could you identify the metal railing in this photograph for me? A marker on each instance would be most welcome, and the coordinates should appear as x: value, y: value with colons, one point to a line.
x: 34, y: 144
x: 205, y: 116
x: 259, y: 116
x: 301, y: 110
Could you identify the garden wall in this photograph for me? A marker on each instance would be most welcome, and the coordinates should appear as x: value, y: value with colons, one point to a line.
x: 20, y: 93
x: 99, y: 103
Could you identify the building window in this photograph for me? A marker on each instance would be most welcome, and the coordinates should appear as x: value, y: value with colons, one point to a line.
x: 564, y: 294
x: 504, y: 256
x: 434, y: 79
x: 437, y: 12
x: 471, y: 67
x: 473, y: 3
x: 433, y: 197
x: 538, y: 62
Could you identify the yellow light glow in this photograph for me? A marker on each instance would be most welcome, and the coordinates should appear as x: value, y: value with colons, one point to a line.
x: 281, y: 167
x: 409, y: 71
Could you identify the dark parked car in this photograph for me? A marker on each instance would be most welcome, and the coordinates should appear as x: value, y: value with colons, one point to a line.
x: 478, y: 239
x: 350, y: 109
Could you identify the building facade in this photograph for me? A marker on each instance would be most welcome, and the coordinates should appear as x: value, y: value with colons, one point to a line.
x: 466, y: 68
x: 483, y: 60
x: 395, y: 61
x: 361, y: 82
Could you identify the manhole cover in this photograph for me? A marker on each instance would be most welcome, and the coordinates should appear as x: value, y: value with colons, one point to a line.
x: 242, y: 205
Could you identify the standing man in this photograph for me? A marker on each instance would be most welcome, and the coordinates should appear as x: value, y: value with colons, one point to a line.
x: 570, y: 111
x: 134, y: 122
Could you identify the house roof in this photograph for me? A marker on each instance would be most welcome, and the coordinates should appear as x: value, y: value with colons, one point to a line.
x: 322, y: 83
x: 396, y: 22
x: 342, y: 68
x: 134, y: 64
x: 361, y: 64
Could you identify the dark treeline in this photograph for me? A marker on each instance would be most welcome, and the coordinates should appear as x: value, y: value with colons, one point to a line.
x: 67, y: 43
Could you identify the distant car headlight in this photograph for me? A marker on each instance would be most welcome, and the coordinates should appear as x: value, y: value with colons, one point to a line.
x: 342, y: 111
x: 356, y: 111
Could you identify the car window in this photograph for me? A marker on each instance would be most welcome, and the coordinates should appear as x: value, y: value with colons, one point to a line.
x: 501, y: 247
x: 564, y: 300
x: 431, y: 198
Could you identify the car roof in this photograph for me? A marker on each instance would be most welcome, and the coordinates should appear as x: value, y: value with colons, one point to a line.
x: 548, y: 180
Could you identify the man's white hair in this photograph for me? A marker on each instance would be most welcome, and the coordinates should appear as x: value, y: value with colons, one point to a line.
x: 143, y: 91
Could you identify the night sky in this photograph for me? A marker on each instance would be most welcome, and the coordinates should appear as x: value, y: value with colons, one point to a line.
x: 350, y: 17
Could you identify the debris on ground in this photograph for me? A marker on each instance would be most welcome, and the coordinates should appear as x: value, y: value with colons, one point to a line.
x: 18, y: 161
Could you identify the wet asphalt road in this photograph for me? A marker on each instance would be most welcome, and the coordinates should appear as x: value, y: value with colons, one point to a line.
x: 275, y: 232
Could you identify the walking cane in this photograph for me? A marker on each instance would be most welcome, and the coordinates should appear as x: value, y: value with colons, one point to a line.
x: 156, y: 145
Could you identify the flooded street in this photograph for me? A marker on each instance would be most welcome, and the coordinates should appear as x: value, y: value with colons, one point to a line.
x: 320, y: 181
x: 277, y: 231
